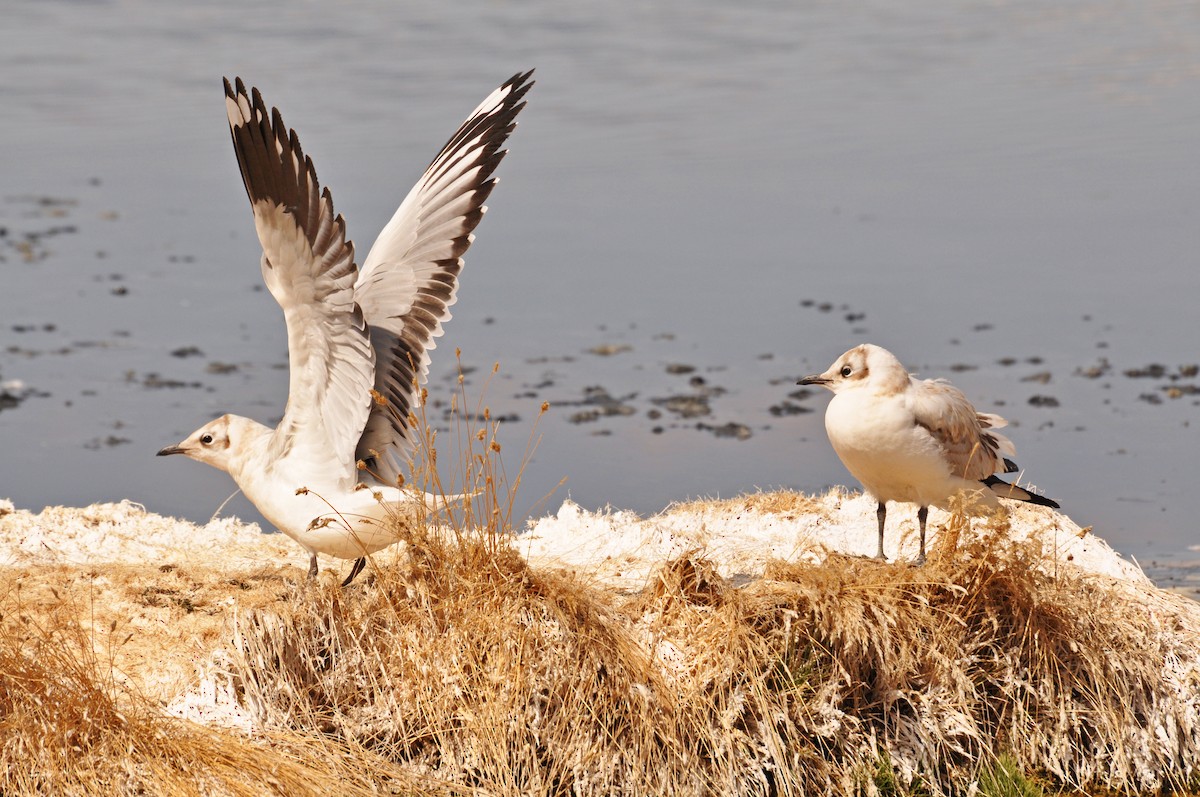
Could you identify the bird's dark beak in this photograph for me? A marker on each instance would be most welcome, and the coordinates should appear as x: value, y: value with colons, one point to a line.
x: 813, y: 379
x: 169, y: 450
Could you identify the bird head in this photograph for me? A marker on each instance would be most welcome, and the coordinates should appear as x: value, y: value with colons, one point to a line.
x: 862, y: 365
x: 210, y: 444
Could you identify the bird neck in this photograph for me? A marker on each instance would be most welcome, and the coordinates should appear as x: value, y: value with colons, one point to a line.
x: 253, y: 443
x: 891, y: 383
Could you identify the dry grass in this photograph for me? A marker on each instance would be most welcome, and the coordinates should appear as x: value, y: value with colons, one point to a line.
x: 474, y: 668
x: 775, y: 502
x: 461, y: 669
x: 68, y: 727
x: 148, y: 624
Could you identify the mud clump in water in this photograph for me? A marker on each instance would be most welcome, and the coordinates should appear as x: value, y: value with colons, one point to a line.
x: 691, y: 405
x: 599, y: 403
x: 736, y: 431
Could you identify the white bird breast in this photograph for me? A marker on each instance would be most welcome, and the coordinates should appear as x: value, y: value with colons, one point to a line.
x: 343, y: 524
x: 881, y: 445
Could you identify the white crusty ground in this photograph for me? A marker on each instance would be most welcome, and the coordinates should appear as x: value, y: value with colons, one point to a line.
x: 617, y: 547
x: 622, y: 549
x: 126, y: 533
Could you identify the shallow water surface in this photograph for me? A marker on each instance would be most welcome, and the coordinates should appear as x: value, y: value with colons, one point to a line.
x: 703, y: 202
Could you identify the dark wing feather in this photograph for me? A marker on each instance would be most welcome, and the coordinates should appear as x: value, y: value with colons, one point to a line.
x: 308, y: 265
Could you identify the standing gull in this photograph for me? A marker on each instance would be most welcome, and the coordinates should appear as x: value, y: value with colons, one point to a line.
x: 358, y: 338
x: 914, y: 440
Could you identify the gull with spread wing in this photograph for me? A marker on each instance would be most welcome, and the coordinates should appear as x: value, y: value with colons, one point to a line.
x: 358, y: 338
x: 914, y: 440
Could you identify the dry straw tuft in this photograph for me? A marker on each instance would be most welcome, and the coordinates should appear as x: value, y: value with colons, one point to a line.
x: 67, y: 727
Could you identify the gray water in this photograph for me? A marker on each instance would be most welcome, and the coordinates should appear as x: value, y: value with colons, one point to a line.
x: 1006, y: 194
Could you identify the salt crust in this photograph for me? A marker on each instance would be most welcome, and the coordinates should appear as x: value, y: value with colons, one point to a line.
x: 622, y: 550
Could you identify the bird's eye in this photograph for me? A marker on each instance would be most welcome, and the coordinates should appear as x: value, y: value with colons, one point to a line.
x: 847, y: 370
x: 206, y: 439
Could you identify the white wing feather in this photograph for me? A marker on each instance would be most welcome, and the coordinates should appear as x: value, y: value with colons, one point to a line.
x: 410, y: 277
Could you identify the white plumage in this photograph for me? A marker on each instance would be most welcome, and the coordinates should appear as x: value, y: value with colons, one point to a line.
x: 350, y: 330
x: 914, y: 440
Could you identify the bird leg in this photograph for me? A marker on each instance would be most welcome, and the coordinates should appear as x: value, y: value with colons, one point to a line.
x: 881, y: 513
x: 312, y: 566
x: 359, y: 563
x: 922, y: 515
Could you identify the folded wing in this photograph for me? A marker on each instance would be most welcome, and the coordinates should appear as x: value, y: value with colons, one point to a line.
x: 410, y: 277
x: 972, y: 450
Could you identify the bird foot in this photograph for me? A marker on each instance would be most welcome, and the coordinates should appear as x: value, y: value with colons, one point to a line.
x: 359, y: 563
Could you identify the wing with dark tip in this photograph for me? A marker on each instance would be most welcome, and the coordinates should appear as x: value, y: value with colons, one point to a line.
x: 410, y: 277
x: 308, y: 265
x: 971, y: 448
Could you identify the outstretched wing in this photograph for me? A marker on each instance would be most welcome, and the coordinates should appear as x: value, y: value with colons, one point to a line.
x: 410, y: 277
x: 972, y: 450
x: 308, y: 265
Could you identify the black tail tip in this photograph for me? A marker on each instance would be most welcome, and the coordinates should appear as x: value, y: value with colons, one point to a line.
x: 1006, y: 490
x: 1042, y: 500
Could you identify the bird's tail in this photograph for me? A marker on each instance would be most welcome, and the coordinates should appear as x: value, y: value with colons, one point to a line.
x: 1005, y: 490
x: 435, y: 502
